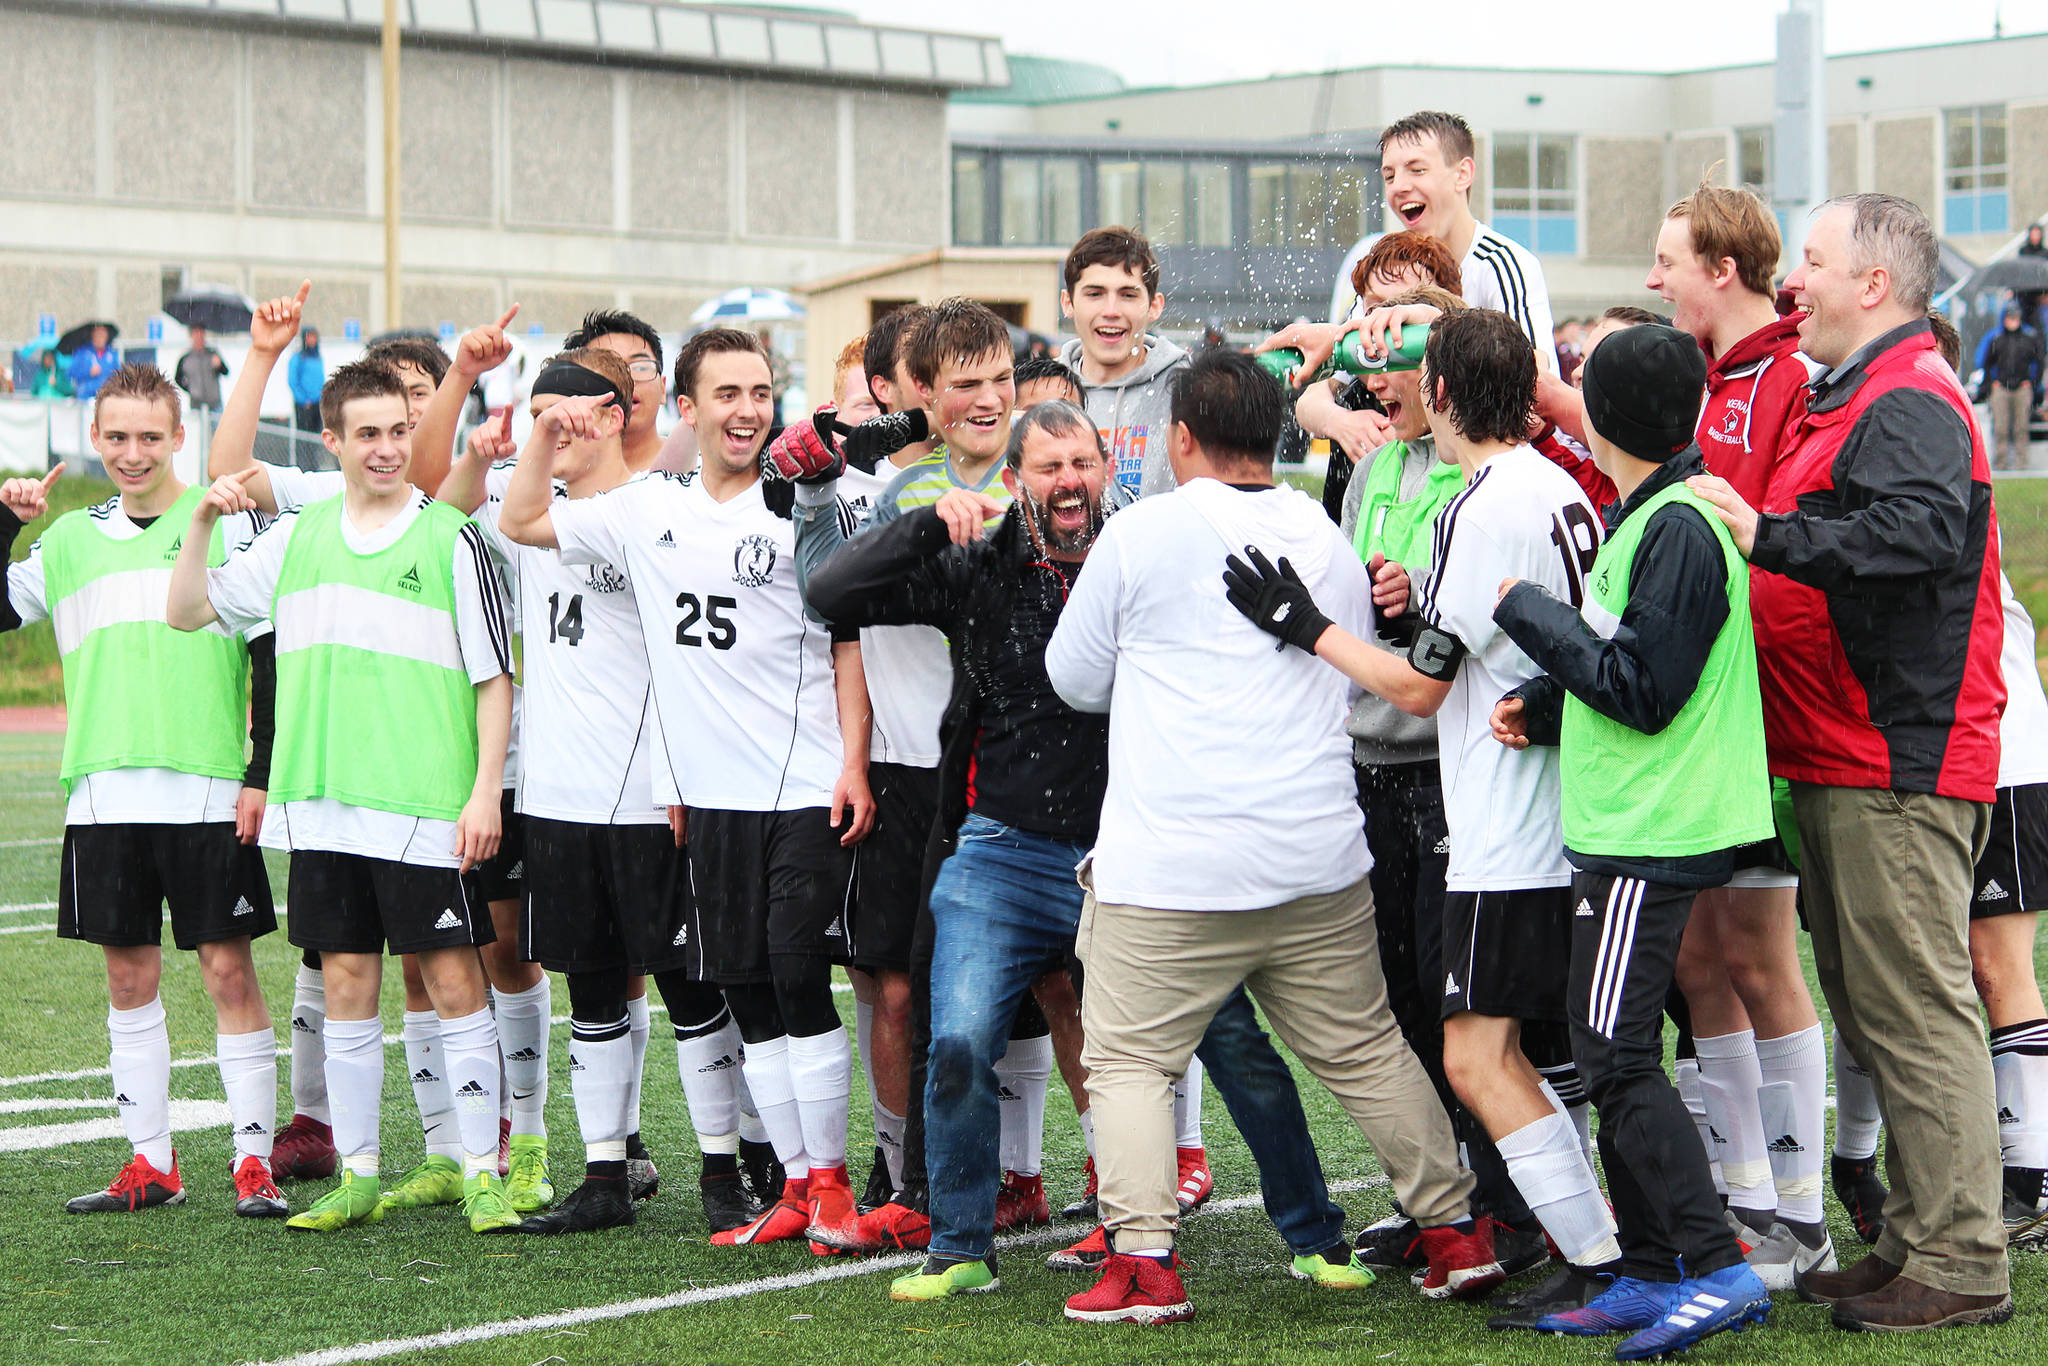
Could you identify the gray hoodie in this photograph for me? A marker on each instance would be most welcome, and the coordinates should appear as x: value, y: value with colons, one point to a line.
x: 1134, y: 412
x: 1381, y: 733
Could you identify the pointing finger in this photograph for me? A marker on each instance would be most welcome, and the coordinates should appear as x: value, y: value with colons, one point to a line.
x: 305, y: 288
x: 51, y: 477
x: 510, y: 314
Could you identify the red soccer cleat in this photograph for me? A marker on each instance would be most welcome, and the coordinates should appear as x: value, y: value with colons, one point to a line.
x: 1461, y: 1265
x: 835, y: 1220
x: 304, y: 1151
x: 1086, y: 1255
x: 894, y: 1227
x: 256, y: 1195
x: 138, y: 1186
x: 1087, y: 1206
x: 1021, y: 1203
x: 1195, y: 1182
x: 1134, y: 1290
x: 787, y: 1218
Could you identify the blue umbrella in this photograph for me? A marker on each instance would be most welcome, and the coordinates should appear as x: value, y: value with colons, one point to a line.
x: 749, y: 305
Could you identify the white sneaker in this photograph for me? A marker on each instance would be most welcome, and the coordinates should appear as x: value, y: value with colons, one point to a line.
x: 1780, y: 1259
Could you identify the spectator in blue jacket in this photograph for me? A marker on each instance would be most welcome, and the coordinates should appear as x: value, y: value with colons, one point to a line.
x: 306, y: 374
x: 91, y: 365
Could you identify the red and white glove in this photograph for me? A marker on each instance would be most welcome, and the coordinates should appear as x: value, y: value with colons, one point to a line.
x: 806, y: 452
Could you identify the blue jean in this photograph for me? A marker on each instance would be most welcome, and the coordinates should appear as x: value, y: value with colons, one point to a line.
x: 1005, y: 908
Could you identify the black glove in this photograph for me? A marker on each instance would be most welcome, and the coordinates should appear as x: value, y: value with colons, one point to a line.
x: 1276, y: 600
x: 878, y: 438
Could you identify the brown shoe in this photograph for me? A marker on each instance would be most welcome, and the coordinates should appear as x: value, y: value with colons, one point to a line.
x: 1825, y: 1287
x: 1904, y: 1305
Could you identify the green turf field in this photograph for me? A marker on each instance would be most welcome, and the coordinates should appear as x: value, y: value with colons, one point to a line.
x: 195, y: 1284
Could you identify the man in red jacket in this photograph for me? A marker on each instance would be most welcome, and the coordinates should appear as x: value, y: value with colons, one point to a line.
x: 1878, y: 639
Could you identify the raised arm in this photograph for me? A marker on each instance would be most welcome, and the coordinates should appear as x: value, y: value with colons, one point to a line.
x: 526, y: 516
x: 273, y: 328
x: 481, y: 350
x: 188, y: 607
x: 489, y: 443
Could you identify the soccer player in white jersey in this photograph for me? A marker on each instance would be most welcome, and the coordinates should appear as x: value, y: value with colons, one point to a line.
x: 751, y: 754
x: 379, y: 595
x: 160, y: 802
x: 1507, y: 912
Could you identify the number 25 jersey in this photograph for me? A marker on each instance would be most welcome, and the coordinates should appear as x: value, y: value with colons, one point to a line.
x: 1521, y: 517
x: 747, y: 719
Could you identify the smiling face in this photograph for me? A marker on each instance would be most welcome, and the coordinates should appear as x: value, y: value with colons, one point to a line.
x: 374, y: 445
x: 970, y: 402
x: 731, y: 405
x: 574, y: 458
x: 1831, y: 294
x: 135, y: 439
x: 1425, y: 191
x: 1111, y: 309
x: 650, y: 386
x: 1684, y: 281
x: 419, y: 389
x: 855, y: 404
x: 1059, y: 480
x: 1400, y: 393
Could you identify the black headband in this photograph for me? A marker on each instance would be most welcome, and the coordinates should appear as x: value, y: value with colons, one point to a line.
x: 571, y: 380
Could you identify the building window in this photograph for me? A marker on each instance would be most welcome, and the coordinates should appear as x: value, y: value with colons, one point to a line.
x: 970, y: 187
x: 1974, y: 188
x: 1536, y: 192
x: 1269, y: 205
x: 1116, y: 194
x: 1164, y: 219
x: 1061, y: 191
x: 1041, y: 200
x: 1210, y: 183
x: 1020, y: 201
x: 1753, y: 161
x: 1354, y: 197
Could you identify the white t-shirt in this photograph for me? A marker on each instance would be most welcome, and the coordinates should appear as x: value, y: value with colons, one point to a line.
x: 2023, y: 731
x: 743, y: 686
x: 241, y: 591
x: 1520, y: 517
x: 144, y: 796
x: 1230, y: 778
x: 587, y: 695
x: 1502, y: 274
x: 292, y: 488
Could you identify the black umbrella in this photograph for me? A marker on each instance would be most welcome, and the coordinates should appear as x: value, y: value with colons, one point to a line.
x: 82, y: 334
x: 212, y: 307
x: 2020, y: 274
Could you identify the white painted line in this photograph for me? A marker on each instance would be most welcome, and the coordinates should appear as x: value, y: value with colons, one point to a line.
x: 18, y: 907
x: 185, y: 1114
x: 23, y: 1107
x: 833, y: 1271
x: 27, y: 844
x: 50, y: 928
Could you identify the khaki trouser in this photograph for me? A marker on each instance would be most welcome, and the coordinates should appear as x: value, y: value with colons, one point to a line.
x: 2012, y: 407
x: 1886, y: 881
x: 1154, y: 980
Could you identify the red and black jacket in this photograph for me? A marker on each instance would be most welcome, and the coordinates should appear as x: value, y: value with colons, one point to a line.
x: 1752, y: 388
x: 1878, y: 624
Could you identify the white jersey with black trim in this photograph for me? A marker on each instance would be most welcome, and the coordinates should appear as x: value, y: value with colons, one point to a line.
x: 909, y: 673
x: 2023, y: 730
x: 1521, y: 517
x: 743, y: 693
x: 1500, y: 273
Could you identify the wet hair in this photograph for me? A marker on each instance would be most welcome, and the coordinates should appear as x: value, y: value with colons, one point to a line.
x: 1400, y: 250
x: 425, y: 356
x: 1056, y: 417
x: 1486, y: 370
x: 1946, y: 339
x: 1040, y: 369
x: 1731, y: 224
x: 1630, y: 315
x: 1442, y: 300
x: 138, y: 381
x: 371, y: 377
x: 1230, y: 405
x: 605, y: 322
x: 1120, y: 248
x: 1894, y: 233
x: 957, y: 330
x: 1451, y: 132
x: 888, y: 341
x: 710, y: 342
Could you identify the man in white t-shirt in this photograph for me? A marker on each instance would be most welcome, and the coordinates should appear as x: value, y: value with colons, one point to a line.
x: 750, y: 755
x: 1507, y: 909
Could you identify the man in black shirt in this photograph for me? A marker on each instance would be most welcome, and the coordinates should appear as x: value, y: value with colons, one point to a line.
x: 2012, y: 369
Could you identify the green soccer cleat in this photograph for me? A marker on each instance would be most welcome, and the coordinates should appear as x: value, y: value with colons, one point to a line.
x: 436, y: 1181
x: 1337, y: 1268
x: 349, y: 1204
x: 485, y: 1206
x: 527, y: 1187
x: 938, y: 1278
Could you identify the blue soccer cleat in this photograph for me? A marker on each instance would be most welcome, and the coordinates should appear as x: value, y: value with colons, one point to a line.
x: 1731, y: 1298
x: 1623, y: 1307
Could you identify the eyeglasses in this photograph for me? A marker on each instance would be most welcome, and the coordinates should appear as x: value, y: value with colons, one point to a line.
x: 644, y: 369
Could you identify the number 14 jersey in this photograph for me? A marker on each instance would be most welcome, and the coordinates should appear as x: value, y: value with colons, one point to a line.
x: 747, y: 719
x: 1521, y: 517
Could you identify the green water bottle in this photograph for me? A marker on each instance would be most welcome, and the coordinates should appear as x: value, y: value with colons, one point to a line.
x: 1350, y: 355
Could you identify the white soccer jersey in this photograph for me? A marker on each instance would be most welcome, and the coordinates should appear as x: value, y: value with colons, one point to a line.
x: 742, y: 676
x: 292, y: 488
x: 909, y: 672
x: 1502, y: 274
x: 1521, y: 517
x: 587, y: 703
x: 2023, y: 731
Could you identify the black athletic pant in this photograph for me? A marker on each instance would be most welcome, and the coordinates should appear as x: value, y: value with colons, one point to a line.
x: 1404, y: 828
x: 1624, y: 954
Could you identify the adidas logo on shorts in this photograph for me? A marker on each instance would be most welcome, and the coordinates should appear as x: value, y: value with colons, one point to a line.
x: 448, y: 921
x: 1450, y: 985
x: 470, y: 1088
x: 1584, y: 908
x: 242, y: 907
x: 518, y: 870
x: 1442, y: 846
x: 523, y: 1055
x: 682, y: 938
x: 723, y: 1064
x: 425, y: 1074
x: 1993, y: 892
x: 1785, y: 1143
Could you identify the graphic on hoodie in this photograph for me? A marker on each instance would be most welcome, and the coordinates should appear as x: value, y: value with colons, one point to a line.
x: 1133, y: 412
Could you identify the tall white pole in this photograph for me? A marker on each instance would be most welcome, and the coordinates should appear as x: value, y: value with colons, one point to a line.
x: 392, y: 291
x: 1799, y: 171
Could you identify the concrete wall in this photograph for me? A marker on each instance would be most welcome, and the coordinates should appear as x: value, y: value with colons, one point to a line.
x: 2026, y: 150
x: 1631, y: 205
x: 1903, y: 159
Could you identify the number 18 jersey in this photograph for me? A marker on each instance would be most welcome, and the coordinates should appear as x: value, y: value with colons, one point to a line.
x: 747, y: 716
x: 1521, y: 517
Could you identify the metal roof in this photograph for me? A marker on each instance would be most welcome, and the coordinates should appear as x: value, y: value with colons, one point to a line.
x: 793, y: 41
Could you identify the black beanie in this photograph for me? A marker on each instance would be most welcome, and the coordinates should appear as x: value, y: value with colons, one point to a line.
x: 1644, y: 386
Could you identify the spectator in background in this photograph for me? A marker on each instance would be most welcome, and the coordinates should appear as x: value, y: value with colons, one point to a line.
x: 199, y: 373
x: 51, y: 381
x: 2012, y: 378
x: 93, y: 364
x: 2034, y: 245
x: 306, y: 374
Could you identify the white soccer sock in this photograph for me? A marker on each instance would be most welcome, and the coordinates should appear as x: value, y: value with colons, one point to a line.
x: 1793, y: 1103
x: 469, y: 1047
x: 821, y: 1076
x: 426, y: 1063
x: 523, y: 1036
x: 248, y: 1075
x: 1729, y: 1078
x: 600, y: 1078
x: 355, y: 1088
x: 1685, y: 1074
x: 774, y: 1097
x: 1022, y: 1075
x: 637, y: 1028
x: 1567, y: 1091
x: 309, y: 1050
x: 1087, y: 1118
x: 1549, y: 1168
x: 708, y: 1060
x: 139, y: 1056
x: 889, y: 1138
x: 1857, y: 1116
x: 752, y: 1130
x: 2019, y: 1073
x: 1187, y: 1106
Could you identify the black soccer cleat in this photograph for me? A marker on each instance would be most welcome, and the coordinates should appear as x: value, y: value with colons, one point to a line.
x: 1518, y: 1250
x: 1392, y: 1244
x: 642, y: 1178
x: 594, y: 1205
x: 764, y: 1175
x: 881, y: 1190
x: 726, y: 1206
x: 1861, y: 1193
x: 1566, y: 1289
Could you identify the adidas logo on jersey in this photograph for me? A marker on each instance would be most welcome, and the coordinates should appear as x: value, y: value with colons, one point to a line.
x: 1993, y: 892
x: 425, y: 1074
x: 1785, y: 1143
x: 682, y: 938
x: 666, y: 540
x: 1442, y: 846
x: 2006, y: 1116
x: 410, y: 580
x: 1584, y: 908
x: 300, y: 1026
x: 523, y: 1055
x: 1450, y: 985
x: 242, y: 907
x: 471, y: 1088
x: 724, y: 1063
x: 448, y: 921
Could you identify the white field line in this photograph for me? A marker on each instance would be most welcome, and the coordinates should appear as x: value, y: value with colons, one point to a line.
x: 34, y: 1103
x: 29, y: 844
x: 16, y: 908
x: 711, y: 1294
x: 185, y: 1114
x: 50, y: 928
